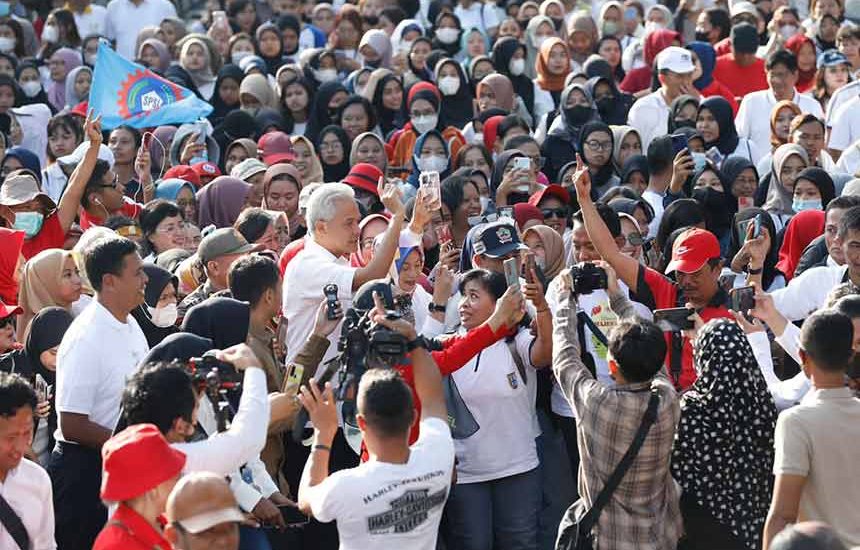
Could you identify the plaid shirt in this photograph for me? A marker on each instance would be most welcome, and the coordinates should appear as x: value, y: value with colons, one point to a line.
x: 643, y: 512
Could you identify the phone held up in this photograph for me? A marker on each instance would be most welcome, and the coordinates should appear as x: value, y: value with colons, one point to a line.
x: 674, y: 319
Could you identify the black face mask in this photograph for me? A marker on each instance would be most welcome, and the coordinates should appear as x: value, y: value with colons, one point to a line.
x: 702, y: 36
x: 372, y: 20
x: 684, y: 123
x: 558, y: 22
x: 373, y: 64
x: 332, y: 112
x: 604, y: 104
x: 578, y: 114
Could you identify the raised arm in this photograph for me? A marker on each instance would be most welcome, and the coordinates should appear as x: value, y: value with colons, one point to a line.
x: 567, y: 364
x: 378, y: 267
x: 541, y: 349
x: 67, y: 210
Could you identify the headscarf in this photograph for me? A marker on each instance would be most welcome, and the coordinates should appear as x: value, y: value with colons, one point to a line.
x: 72, y: 97
x: 381, y: 44
x: 159, y: 278
x: 181, y: 346
x: 220, y: 108
x: 11, y: 243
x: 722, y: 113
x: 272, y: 63
x: 805, y: 78
x: 258, y: 86
x: 464, y: 39
x: 224, y: 320
x: 553, y: 245
x: 315, y: 172
x: 779, y: 199
x: 618, y: 135
x: 416, y: 154
x: 200, y: 77
x: 502, y: 88
x: 40, y: 285
x: 503, y: 52
x: 723, y: 452
x: 677, y: 106
x: 282, y: 168
x: 336, y: 172
x: 732, y: 166
x: 27, y: 158
x: 161, y: 50
x: 708, y: 59
x: 160, y: 147
x: 267, y: 119
x: 459, y: 109
x: 525, y: 212
x: 41, y: 97
x: 545, y: 79
x: 614, y: 111
x: 719, y: 206
x: 582, y: 22
x: 389, y: 119
x: 236, y: 125
x: 57, y: 89
x: 46, y: 332
x: 635, y: 163
x: 352, y: 79
x: 357, y: 259
x: 780, y: 105
x: 357, y: 141
x: 402, y: 28
x: 319, y: 116
x: 770, y: 270
x: 656, y: 42
x: 803, y: 228
x: 531, y: 49
x: 221, y: 202
x: 168, y: 189
x: 563, y: 128
x: 499, y: 168
x: 822, y: 180
x: 603, y: 175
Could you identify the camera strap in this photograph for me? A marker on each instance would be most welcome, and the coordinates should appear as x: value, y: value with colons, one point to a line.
x: 592, y: 326
x: 512, y: 345
x: 14, y: 525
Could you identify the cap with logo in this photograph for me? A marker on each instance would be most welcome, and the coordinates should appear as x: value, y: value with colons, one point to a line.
x: 675, y: 59
x: 692, y: 250
x: 497, y: 239
x: 7, y: 310
x: 206, y: 169
x: 832, y: 58
x: 136, y: 460
x: 275, y: 147
x: 223, y: 242
x: 183, y: 172
x: 200, y: 501
x: 21, y: 187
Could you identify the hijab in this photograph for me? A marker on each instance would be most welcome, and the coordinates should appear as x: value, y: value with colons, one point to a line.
x: 618, y: 135
x: 160, y: 147
x: 805, y: 79
x: 459, y: 109
x: 357, y: 141
x: 268, y: 119
x: 200, y: 77
x: 784, y: 104
x: 677, y: 106
x: 583, y: 22
x: 464, y: 39
x: 27, y: 158
x: 257, y: 85
x: 57, y: 89
x: 221, y: 202
x: 336, y: 172
x: 803, y: 228
x: 716, y: 204
x: 545, y: 79
x: 20, y: 97
x: 553, y: 246
x: 502, y: 88
x: 611, y: 110
x: 181, y: 346
x: 503, y: 52
x: 161, y: 50
x: 529, y: 38
x: 708, y: 60
x: 635, y: 163
x: 770, y: 268
x: 236, y: 125
x: 416, y: 154
x: 47, y: 329
x: 11, y: 243
x: 602, y: 177
x: 723, y: 453
x: 779, y: 199
x: 40, y: 285
x: 389, y: 119
x: 731, y: 167
x: 220, y: 108
x: 499, y: 168
x: 319, y: 116
x: 272, y: 63
x: 381, y: 44
x: 722, y: 113
x: 525, y: 212
x: 159, y: 278
x: 315, y: 172
x: 225, y: 320
x: 72, y: 97
x: 276, y: 170
x: 169, y: 188
x: 564, y: 128
x: 357, y: 259
x: 397, y: 43
x: 822, y: 180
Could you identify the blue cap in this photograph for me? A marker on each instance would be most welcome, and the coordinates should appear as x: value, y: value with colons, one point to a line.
x: 496, y: 239
x: 832, y: 58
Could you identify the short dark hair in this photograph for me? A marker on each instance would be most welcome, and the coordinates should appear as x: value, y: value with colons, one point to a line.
x: 518, y: 141
x: 847, y: 31
x: 68, y: 122
x: 785, y: 58
x: 158, y: 393
x: 152, y: 214
x: 252, y: 223
x: 106, y: 256
x: 719, y: 18
x: 807, y: 536
x: 15, y: 393
x: 251, y: 276
x: 850, y: 222
x: 95, y: 182
x: 491, y: 281
x: 660, y: 155
x: 843, y: 202
x: 510, y: 122
x: 385, y: 402
x: 827, y: 336
x: 639, y: 348
x: 607, y: 214
x: 452, y: 190
x: 849, y: 304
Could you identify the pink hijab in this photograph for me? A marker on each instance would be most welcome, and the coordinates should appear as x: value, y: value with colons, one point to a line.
x: 57, y: 91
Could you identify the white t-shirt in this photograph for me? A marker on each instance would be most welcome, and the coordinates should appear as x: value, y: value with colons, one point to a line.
x: 27, y: 489
x: 503, y: 405
x: 753, y: 118
x: 96, y: 357
x: 125, y: 19
x: 479, y: 15
x: 845, y: 129
x: 650, y: 116
x: 655, y: 199
x: 384, y: 506
x: 91, y: 21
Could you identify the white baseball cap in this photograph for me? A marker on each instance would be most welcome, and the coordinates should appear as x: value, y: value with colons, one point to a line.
x: 675, y: 59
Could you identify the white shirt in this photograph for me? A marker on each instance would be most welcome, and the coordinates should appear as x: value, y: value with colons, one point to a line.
x: 655, y: 199
x: 27, y: 489
x: 125, y: 20
x: 845, y: 126
x: 785, y: 393
x: 748, y: 149
x: 425, y: 324
x: 839, y: 97
x: 96, y: 357
x: 808, y: 291
x: 384, y: 506
x: 478, y: 15
x: 849, y: 160
x: 543, y: 102
x: 753, y: 118
x: 91, y: 21
x: 306, y: 275
x: 504, y: 407
x: 650, y: 116
x: 825, y: 162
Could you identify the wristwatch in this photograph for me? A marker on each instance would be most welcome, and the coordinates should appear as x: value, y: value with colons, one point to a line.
x: 419, y: 342
x: 435, y: 307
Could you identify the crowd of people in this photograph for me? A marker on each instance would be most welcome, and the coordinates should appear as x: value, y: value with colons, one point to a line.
x: 448, y: 274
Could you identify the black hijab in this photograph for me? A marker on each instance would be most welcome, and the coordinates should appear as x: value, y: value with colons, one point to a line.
x: 499, y: 173
x: 220, y: 108
x: 611, y: 109
x: 453, y: 48
x: 822, y: 181
x: 224, y: 320
x: 335, y: 172
x: 159, y: 278
x: 564, y: 126
x: 236, y: 124
x: 289, y: 21
x: 389, y: 119
x: 716, y: 204
x: 770, y: 270
x: 272, y: 63
x: 267, y: 120
x: 320, y: 117
x: 178, y: 75
x: 600, y: 178
x: 722, y: 113
x: 635, y: 163
x: 181, y: 346
x: 424, y: 74
x: 677, y: 105
x: 42, y: 96
x: 503, y: 52
x: 459, y: 109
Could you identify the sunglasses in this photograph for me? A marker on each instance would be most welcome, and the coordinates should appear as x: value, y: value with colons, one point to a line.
x: 635, y: 239
x: 560, y: 213
x: 7, y: 321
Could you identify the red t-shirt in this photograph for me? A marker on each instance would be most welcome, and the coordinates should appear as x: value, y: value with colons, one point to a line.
x: 129, y: 208
x: 740, y: 80
x: 50, y: 236
x: 718, y: 88
x: 656, y: 291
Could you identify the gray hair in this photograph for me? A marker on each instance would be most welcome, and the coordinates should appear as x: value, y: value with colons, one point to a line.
x: 808, y: 535
x: 322, y: 205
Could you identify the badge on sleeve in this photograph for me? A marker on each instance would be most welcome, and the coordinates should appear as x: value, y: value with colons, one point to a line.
x: 513, y: 380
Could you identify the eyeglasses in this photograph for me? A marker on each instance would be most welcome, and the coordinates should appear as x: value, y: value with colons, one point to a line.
x: 595, y: 145
x: 560, y: 213
x: 635, y: 239
x: 171, y: 228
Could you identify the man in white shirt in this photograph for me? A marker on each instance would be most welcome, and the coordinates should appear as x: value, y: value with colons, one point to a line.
x: 25, y: 488
x: 102, y: 348
x: 753, y: 118
x: 650, y: 114
x: 89, y: 18
x: 125, y: 19
x: 475, y: 13
x: 395, y: 499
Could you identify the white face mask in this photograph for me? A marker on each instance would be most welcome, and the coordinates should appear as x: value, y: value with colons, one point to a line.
x: 485, y: 203
x: 449, y: 85
x: 31, y: 88
x: 787, y: 31
x: 6, y: 44
x: 538, y: 40
x: 432, y: 163
x: 652, y: 26
x: 425, y: 123
x: 517, y: 66
x: 90, y: 59
x: 325, y: 75
x: 50, y: 33
x: 406, y: 46
x: 447, y: 35
x: 163, y: 316
x: 236, y: 57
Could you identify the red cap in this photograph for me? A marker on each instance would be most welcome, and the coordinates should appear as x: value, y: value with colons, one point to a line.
x: 553, y: 190
x: 183, y: 172
x: 364, y: 176
x: 206, y: 169
x: 6, y: 311
x: 692, y: 250
x: 275, y: 147
x: 423, y: 85
x: 81, y: 109
x: 136, y: 460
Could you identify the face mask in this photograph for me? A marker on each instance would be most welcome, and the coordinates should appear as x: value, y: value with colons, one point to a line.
x: 478, y: 139
x: 28, y: 222
x: 577, y: 114
x: 425, y: 123
x: 6, y: 44
x: 517, y: 66
x: 538, y: 40
x: 787, y: 31
x: 50, y: 33
x: 610, y: 28
x: 325, y: 75
x: 447, y: 35
x: 237, y: 57
x: 557, y: 22
x: 685, y: 123
x: 406, y: 46
x: 163, y: 316
x: 604, y: 104
x: 449, y: 85
x: 432, y: 163
x: 90, y: 59
x: 799, y: 205
x: 31, y: 88
x: 652, y: 26
x: 372, y: 20
x: 702, y: 36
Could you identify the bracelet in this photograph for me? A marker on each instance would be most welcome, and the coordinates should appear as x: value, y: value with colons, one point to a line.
x: 754, y: 271
x: 321, y: 447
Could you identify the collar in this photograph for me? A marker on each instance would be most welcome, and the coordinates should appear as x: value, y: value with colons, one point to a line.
x: 103, y: 312
x: 773, y: 100
x: 137, y: 527
x: 831, y: 394
x: 316, y: 248
x: 635, y: 387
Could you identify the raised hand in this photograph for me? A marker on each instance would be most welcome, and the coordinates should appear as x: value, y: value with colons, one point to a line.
x: 582, y: 181
x: 391, y: 196
x: 93, y: 129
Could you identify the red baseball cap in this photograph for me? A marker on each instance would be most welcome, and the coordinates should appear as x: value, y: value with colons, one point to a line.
x: 136, y: 460
x: 206, y: 169
x: 183, y: 172
x: 6, y: 310
x: 553, y: 190
x: 275, y: 147
x: 692, y: 250
x: 364, y: 176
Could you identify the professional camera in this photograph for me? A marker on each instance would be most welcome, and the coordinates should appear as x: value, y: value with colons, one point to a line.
x: 221, y: 382
x: 586, y: 277
x: 364, y: 345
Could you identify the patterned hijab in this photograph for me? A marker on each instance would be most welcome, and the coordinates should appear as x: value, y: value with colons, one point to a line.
x: 723, y: 452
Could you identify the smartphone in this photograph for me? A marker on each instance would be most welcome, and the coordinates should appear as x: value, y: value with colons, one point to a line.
x: 506, y: 212
x: 529, y: 266
x: 330, y: 292
x: 745, y: 202
x: 512, y: 272
x: 742, y: 299
x: 201, y: 133
x: 522, y: 163
x: 443, y: 234
x: 293, y: 517
x: 674, y: 319
x: 743, y: 228
x: 713, y: 154
x: 699, y: 160
x: 432, y: 182
x: 219, y: 19
x: 43, y: 391
x: 679, y: 143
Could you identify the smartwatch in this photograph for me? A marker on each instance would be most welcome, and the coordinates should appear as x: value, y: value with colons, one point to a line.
x: 419, y: 342
x: 435, y: 308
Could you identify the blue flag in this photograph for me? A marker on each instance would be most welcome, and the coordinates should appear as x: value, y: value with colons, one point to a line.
x: 127, y: 93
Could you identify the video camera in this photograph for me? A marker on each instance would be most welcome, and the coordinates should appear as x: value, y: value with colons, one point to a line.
x: 586, y: 277
x: 221, y: 382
